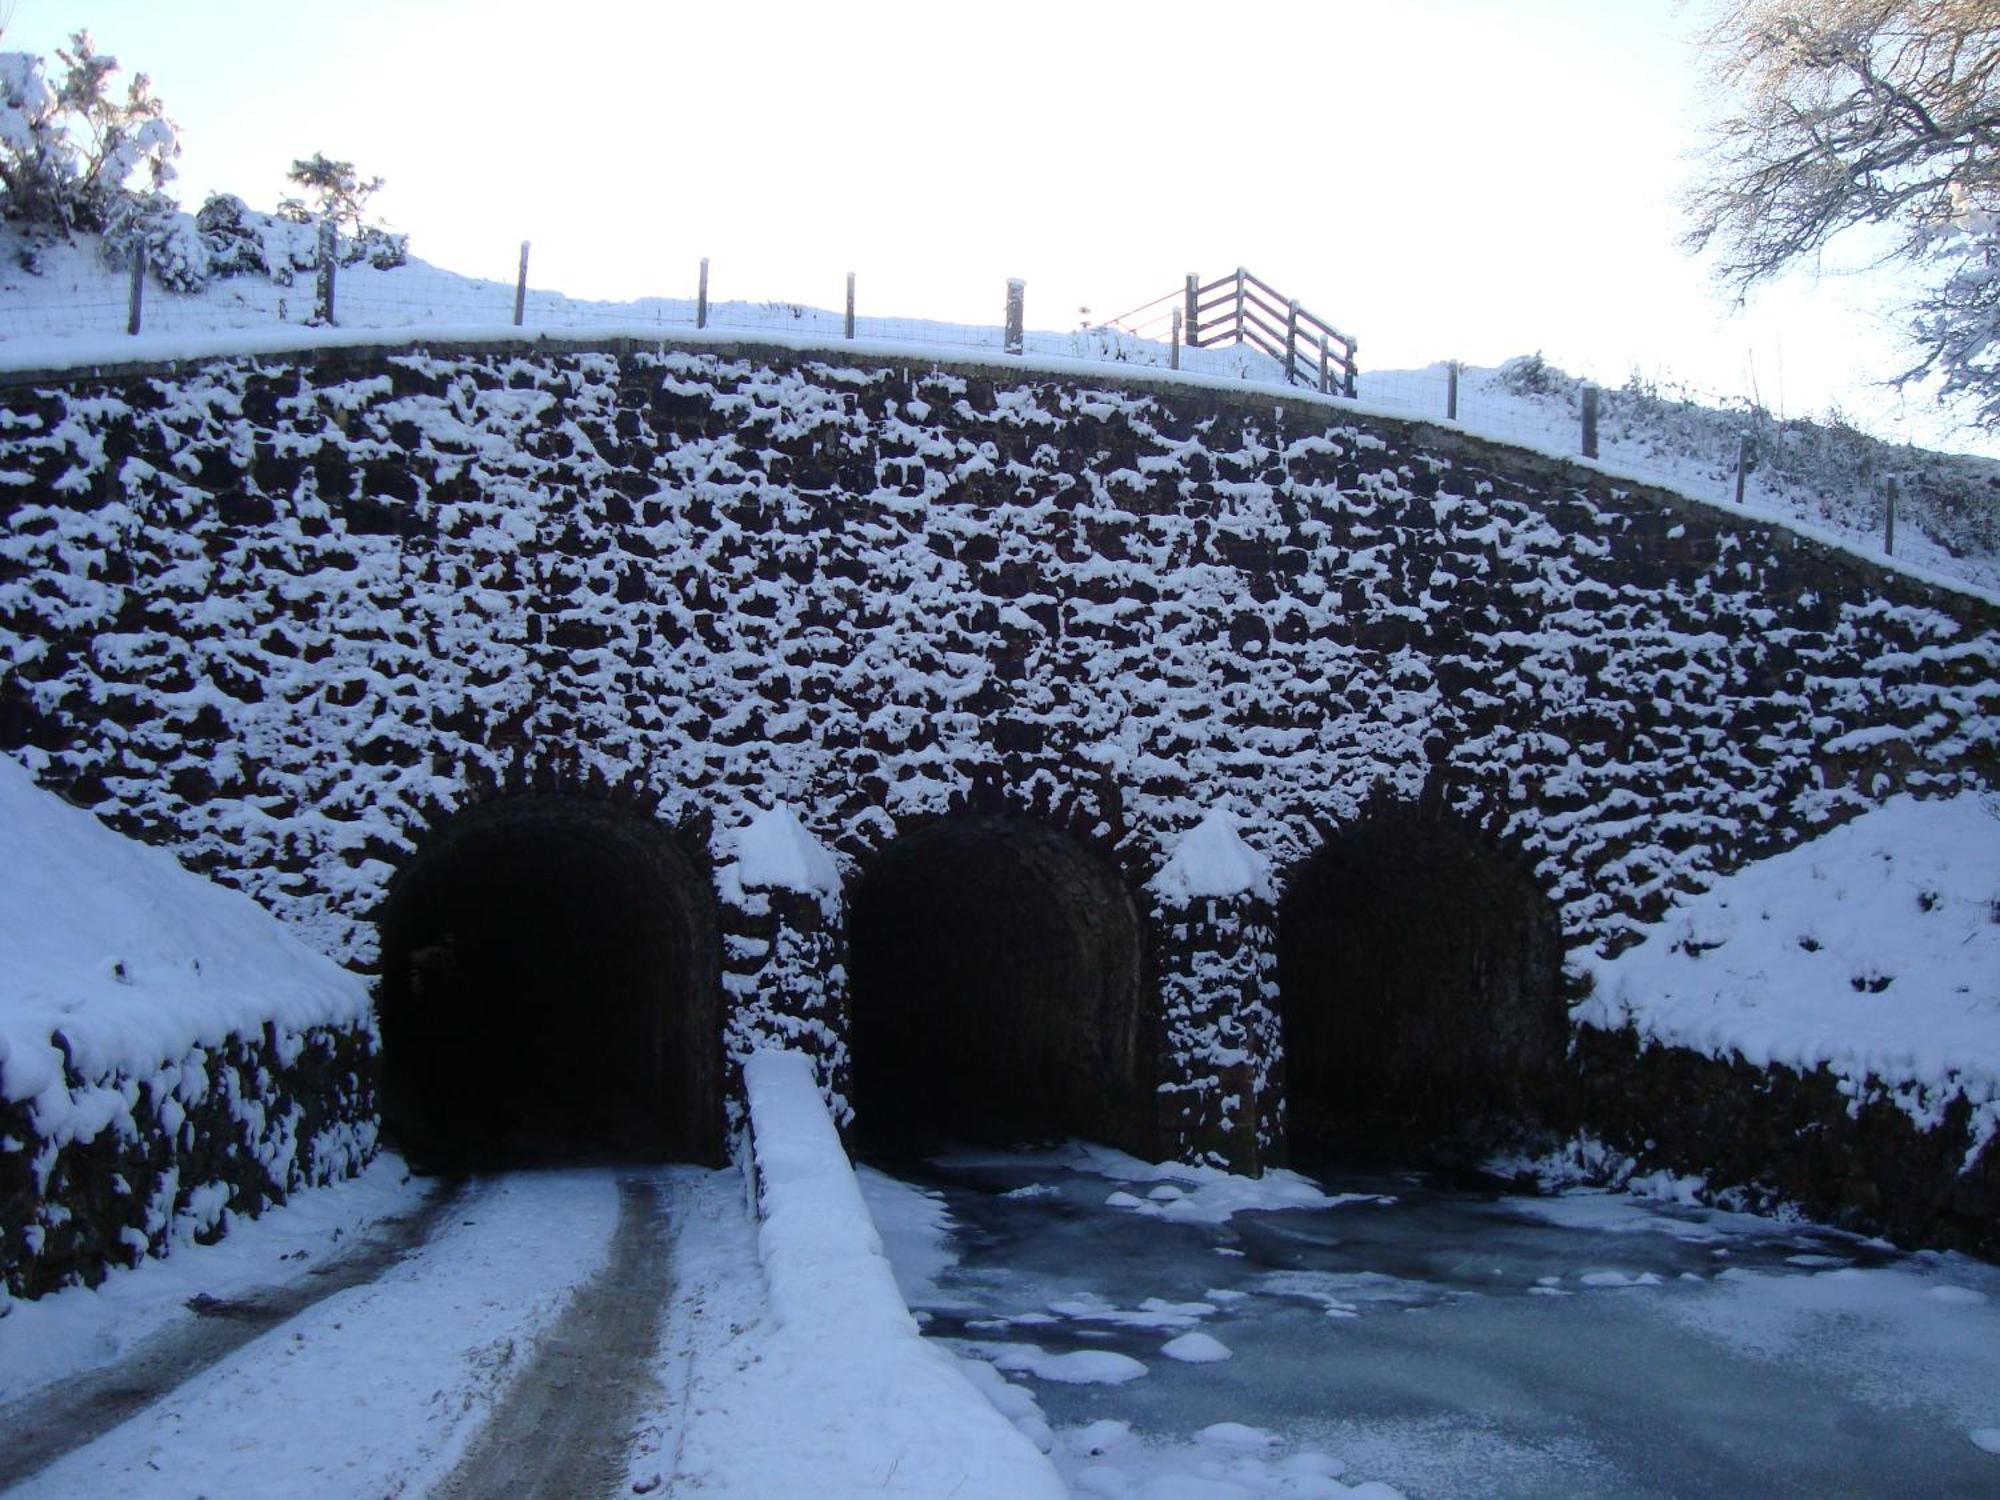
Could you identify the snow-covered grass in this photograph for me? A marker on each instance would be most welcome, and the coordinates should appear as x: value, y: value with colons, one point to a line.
x: 134, y: 960
x: 1821, y: 478
x: 1874, y: 950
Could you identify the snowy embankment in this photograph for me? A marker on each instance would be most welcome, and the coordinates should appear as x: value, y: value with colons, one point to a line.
x: 142, y: 1003
x: 1873, y: 951
x: 843, y: 1396
x: 133, y: 960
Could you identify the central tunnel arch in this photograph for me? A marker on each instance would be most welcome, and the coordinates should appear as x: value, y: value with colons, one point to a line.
x: 997, y: 991
x: 1420, y: 994
x: 550, y: 989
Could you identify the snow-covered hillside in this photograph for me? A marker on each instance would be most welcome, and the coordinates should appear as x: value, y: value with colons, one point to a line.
x: 1820, y: 477
x: 1874, y: 950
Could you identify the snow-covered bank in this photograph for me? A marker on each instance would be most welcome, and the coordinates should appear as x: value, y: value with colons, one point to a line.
x: 1873, y: 951
x: 139, y: 1000
x: 864, y: 1404
x: 132, y: 959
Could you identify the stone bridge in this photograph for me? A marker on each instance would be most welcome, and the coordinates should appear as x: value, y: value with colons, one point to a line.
x: 1203, y: 771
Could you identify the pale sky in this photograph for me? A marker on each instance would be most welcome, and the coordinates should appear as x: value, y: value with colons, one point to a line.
x: 1440, y: 178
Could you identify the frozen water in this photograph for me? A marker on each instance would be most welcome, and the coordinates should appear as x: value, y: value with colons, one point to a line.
x: 1474, y: 1344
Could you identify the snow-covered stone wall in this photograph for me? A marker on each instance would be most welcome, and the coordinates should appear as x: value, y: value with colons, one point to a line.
x: 170, y: 1056
x: 284, y: 613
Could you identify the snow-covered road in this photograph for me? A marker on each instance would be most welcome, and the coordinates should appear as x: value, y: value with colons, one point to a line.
x: 592, y: 1331
x: 380, y: 1389
x: 76, y: 1400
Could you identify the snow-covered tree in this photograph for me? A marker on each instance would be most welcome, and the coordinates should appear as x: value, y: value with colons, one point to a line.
x: 336, y: 191
x: 69, y: 145
x: 339, y: 195
x: 1866, y: 112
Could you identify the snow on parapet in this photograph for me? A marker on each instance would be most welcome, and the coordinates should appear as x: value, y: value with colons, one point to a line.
x: 1212, y: 860
x: 884, y: 1411
x: 775, y: 851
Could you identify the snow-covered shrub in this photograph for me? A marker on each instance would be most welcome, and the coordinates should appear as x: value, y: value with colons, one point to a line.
x: 1531, y: 375
x: 235, y: 248
x: 241, y: 241
x: 176, y: 254
x: 374, y: 246
x: 177, y: 257
x: 340, y: 194
x: 33, y: 146
x: 68, y: 146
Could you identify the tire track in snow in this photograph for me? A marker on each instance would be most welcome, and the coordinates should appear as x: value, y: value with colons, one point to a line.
x: 76, y: 1411
x: 565, y: 1425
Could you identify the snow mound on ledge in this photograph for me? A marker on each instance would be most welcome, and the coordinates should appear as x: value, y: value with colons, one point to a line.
x: 1211, y: 859
x: 1874, y: 949
x: 775, y: 851
x: 134, y: 959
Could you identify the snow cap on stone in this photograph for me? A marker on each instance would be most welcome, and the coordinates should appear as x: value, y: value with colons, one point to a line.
x: 1211, y: 860
x: 775, y: 851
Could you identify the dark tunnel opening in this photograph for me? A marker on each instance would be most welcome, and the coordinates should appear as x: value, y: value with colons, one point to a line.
x: 996, y: 984
x: 549, y: 991
x: 1420, y: 990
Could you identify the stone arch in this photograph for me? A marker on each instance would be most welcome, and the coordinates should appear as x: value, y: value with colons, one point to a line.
x: 1420, y: 992
x: 550, y: 988
x: 998, y: 987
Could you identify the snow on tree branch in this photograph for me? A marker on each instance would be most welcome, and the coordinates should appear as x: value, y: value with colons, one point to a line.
x: 1865, y: 112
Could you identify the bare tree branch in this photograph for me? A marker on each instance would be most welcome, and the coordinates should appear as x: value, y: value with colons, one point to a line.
x: 1865, y: 112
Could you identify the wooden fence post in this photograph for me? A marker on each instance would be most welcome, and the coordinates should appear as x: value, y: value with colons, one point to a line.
x: 1240, y: 274
x: 1017, y: 296
x: 1174, y: 349
x: 701, y: 297
x: 1590, y: 421
x: 1291, y: 341
x: 329, y: 238
x: 1193, y: 330
x: 1353, y: 370
x: 521, y: 287
x: 1325, y: 366
x: 850, y: 304
x: 1451, y: 390
x: 1742, y: 464
x: 138, y: 296
x: 1889, y: 516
